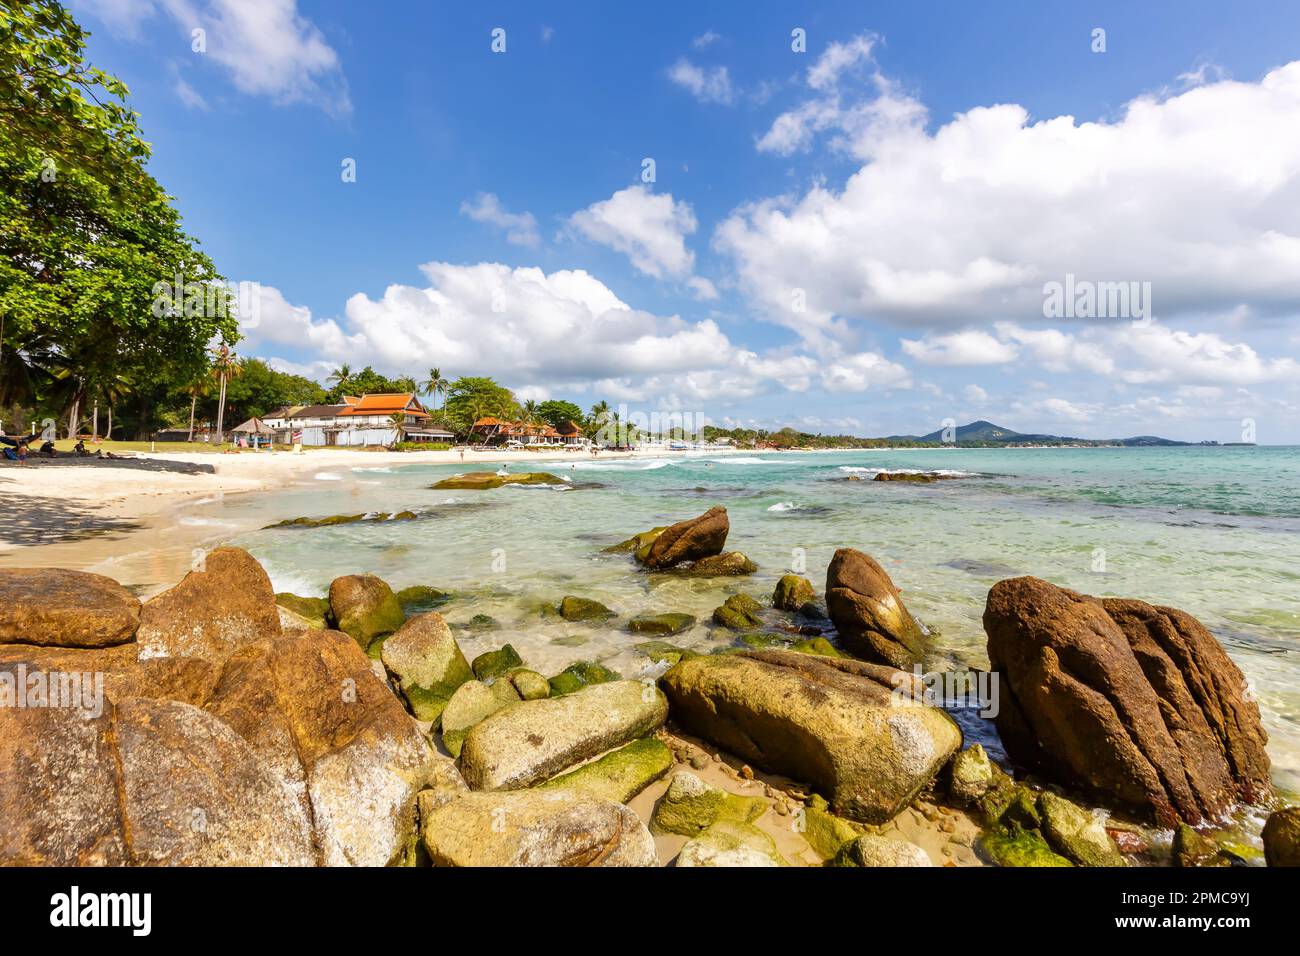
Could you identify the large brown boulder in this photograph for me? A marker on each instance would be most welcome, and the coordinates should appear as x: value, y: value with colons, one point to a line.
x: 1137, y: 704
x: 688, y: 540
x: 147, y: 782
x: 313, y: 710
x: 868, y: 612
x: 55, y: 607
x: 215, y: 610
x: 855, y: 731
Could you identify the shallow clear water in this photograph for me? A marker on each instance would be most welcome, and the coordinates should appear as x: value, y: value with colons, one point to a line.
x: 1214, y: 531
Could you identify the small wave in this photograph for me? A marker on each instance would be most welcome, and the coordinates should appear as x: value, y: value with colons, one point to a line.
x: 784, y: 506
x: 739, y: 460
x: 940, y: 472
x: 380, y: 469
x: 207, y: 523
x: 644, y: 464
x: 327, y: 476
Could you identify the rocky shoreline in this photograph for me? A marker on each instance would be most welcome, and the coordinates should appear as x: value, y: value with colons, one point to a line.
x: 220, y: 723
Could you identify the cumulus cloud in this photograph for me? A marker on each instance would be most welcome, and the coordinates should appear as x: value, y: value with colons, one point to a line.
x: 520, y: 228
x: 266, y: 46
x: 541, y: 331
x: 650, y: 229
x: 1197, y: 193
x: 971, y: 347
x: 706, y: 84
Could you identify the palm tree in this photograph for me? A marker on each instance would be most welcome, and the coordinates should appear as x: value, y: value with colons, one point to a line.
x: 529, y: 412
x: 436, y: 385
x: 198, y: 389
x: 598, y: 419
x: 406, y: 384
x: 341, y: 376
x: 225, y: 366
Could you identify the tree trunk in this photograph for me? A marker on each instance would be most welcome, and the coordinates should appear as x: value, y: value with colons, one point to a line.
x: 194, y: 400
x: 73, y: 416
x: 108, y: 432
x: 221, y: 409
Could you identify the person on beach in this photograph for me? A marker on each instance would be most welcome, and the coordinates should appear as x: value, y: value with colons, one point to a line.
x: 47, y: 449
x: 22, y: 451
x: 79, y: 449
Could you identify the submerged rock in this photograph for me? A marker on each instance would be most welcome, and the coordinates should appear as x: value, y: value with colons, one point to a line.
x: 727, y: 564
x: 619, y: 775
x: 60, y: 608
x: 427, y: 662
x: 421, y: 597
x: 662, y: 652
x: 1282, y: 837
x: 492, y: 664
x: 1135, y: 703
x: 534, y: 740
x: 579, y: 675
x: 868, y: 850
x: 868, y: 612
x: 637, y: 542
x: 673, y: 622
x: 485, y: 480
x: 559, y: 827
x: 836, y: 724
x: 332, y: 520
x: 730, y: 844
x: 739, y: 612
x: 583, y: 609
x: 792, y: 593
x: 691, y: 806
x: 689, y: 540
x: 364, y: 607
x: 226, y: 604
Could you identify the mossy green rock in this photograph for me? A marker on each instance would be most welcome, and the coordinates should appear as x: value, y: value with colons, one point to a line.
x: 792, y: 592
x: 739, y: 612
x: 315, y: 611
x: 472, y: 703
x: 972, y: 775
x: 1021, y: 848
x: 690, y: 806
x: 481, y: 622
x: 673, y: 622
x: 421, y: 597
x: 364, y: 608
x: 427, y: 662
x: 1282, y: 837
x: 504, y: 691
x: 730, y: 843
x: 819, y: 646
x: 870, y: 850
x: 492, y: 664
x: 530, y: 685
x: 485, y: 480
x: 661, y: 652
x: 583, y: 609
x: 727, y: 564
x: 621, y: 774
x: 825, y: 832
x: 1192, y: 849
x: 637, y: 542
x: 1075, y: 833
x: 579, y: 675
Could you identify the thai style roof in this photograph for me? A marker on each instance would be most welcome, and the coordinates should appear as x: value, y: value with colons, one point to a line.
x: 386, y: 404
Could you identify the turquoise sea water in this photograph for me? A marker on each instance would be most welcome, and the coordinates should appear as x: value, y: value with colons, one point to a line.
x: 1214, y: 531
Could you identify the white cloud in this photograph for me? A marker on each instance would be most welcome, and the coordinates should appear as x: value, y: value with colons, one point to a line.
x: 1196, y: 193
x: 520, y: 228
x: 267, y: 46
x: 706, y: 39
x: 973, y: 393
x: 971, y: 347
x: 650, y: 229
x: 708, y: 85
x: 539, y: 331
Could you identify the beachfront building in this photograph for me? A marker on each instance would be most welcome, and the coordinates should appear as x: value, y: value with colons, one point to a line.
x: 380, y: 419
x: 499, y: 431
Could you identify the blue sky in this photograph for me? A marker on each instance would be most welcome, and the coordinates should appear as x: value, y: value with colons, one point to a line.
x: 855, y: 237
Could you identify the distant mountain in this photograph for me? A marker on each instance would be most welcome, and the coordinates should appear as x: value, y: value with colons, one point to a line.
x: 986, y: 433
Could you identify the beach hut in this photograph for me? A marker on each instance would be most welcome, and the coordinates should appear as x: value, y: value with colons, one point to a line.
x: 255, y: 430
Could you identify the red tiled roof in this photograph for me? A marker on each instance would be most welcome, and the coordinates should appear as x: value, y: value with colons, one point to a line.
x: 386, y: 404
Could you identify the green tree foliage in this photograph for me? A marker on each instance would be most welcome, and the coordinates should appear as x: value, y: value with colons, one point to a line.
x: 260, y: 390
x: 86, y: 234
x: 365, y: 382
x: 556, y: 412
x: 471, y: 398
